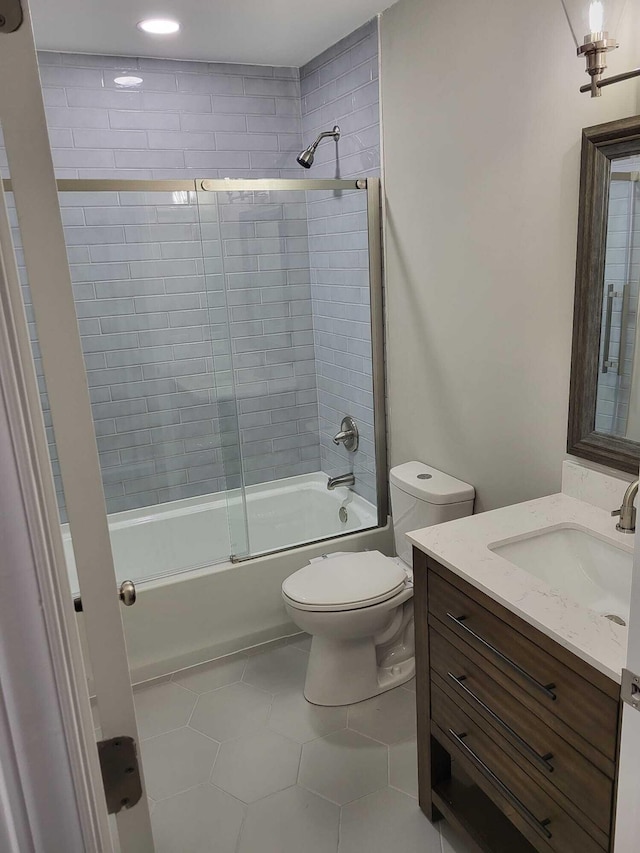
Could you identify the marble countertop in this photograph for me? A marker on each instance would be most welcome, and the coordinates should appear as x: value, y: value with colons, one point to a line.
x: 462, y: 546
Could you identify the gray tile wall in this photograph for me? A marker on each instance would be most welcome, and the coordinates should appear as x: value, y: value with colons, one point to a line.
x: 155, y: 323
x: 186, y: 119
x: 341, y: 87
x: 158, y: 327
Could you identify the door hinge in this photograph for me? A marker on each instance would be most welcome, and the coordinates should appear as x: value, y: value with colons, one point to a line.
x: 11, y: 16
x: 120, y: 773
x: 630, y: 690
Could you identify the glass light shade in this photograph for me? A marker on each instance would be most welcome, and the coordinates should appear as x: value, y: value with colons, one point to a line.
x: 593, y: 16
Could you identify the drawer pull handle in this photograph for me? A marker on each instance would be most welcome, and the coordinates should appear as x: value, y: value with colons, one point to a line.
x: 539, y: 825
x: 547, y: 689
x: 543, y: 760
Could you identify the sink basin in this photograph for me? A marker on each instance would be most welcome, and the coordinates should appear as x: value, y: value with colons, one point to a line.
x: 593, y: 572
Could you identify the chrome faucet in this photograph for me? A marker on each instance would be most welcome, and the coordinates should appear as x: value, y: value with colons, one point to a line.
x: 348, y: 434
x: 342, y: 480
x: 627, y: 511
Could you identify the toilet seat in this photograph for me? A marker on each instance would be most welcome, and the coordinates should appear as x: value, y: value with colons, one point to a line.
x: 347, y: 582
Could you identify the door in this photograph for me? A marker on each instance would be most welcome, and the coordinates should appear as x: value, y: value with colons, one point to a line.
x: 33, y: 182
x: 627, y: 831
x: 293, y: 267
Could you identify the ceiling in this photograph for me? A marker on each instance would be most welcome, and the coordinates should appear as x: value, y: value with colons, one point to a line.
x: 262, y: 32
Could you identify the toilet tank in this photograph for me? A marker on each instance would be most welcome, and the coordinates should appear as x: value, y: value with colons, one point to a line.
x: 422, y: 496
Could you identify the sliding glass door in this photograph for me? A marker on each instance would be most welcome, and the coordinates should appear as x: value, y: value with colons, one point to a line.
x: 228, y: 329
x: 295, y: 264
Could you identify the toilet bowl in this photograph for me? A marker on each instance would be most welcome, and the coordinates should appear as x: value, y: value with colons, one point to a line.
x: 358, y: 607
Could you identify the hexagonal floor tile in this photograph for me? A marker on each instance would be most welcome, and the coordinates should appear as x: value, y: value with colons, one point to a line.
x: 254, y: 766
x: 177, y: 760
x: 403, y: 767
x: 231, y: 711
x: 210, y: 676
x: 278, y: 669
x: 389, y: 717
x: 343, y: 766
x: 386, y: 820
x: 198, y: 821
x: 293, y: 716
x: 162, y: 707
x: 291, y: 821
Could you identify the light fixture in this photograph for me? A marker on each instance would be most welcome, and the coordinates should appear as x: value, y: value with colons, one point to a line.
x: 159, y: 26
x: 127, y: 81
x: 593, y: 26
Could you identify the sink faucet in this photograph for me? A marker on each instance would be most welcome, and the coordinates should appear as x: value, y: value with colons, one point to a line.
x: 342, y: 480
x: 627, y: 511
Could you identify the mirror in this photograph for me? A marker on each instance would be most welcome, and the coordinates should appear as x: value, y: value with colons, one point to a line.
x: 618, y: 390
x: 604, y: 405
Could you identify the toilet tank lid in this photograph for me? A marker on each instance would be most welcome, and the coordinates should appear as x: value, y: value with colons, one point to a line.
x: 430, y: 485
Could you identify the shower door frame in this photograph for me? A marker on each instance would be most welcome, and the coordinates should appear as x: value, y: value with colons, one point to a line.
x: 376, y: 286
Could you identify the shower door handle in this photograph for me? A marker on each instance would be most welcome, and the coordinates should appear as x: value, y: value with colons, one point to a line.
x: 609, y: 363
x: 127, y: 595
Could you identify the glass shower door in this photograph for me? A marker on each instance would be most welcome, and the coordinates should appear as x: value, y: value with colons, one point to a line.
x: 291, y: 260
x: 224, y: 393
x: 154, y: 331
x: 264, y: 260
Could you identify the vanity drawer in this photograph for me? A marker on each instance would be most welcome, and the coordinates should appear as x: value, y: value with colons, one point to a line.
x: 546, y: 753
x: 515, y: 648
x: 535, y: 812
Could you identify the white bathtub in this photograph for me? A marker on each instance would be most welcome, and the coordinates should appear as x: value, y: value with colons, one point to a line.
x: 195, y: 533
x: 193, y: 603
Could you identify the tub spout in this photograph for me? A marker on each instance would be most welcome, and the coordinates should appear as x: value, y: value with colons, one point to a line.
x: 342, y: 480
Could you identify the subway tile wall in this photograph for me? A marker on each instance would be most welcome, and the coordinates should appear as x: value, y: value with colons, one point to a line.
x: 185, y: 120
x: 148, y: 272
x: 341, y: 87
x: 169, y: 287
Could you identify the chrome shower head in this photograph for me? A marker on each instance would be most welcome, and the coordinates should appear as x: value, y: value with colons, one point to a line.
x: 305, y: 158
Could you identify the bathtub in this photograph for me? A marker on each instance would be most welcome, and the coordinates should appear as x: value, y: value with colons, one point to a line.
x: 194, y: 604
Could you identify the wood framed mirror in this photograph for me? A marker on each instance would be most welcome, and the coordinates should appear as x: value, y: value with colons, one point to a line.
x: 604, y: 397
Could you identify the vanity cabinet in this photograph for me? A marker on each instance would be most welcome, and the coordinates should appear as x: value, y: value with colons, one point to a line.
x: 517, y: 737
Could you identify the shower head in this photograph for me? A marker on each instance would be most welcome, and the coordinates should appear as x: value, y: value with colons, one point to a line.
x: 305, y: 158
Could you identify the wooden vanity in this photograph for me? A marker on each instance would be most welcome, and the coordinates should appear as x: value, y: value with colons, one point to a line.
x: 517, y: 737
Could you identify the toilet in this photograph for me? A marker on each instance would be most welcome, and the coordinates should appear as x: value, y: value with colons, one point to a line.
x: 358, y: 607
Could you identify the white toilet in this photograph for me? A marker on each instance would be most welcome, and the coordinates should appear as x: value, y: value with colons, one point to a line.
x: 358, y: 607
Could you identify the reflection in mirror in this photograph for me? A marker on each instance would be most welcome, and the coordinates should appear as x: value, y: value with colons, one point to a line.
x: 618, y: 394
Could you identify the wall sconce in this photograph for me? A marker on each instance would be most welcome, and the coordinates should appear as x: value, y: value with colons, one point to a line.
x: 593, y: 25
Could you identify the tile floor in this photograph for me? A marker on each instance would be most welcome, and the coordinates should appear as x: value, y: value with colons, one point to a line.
x: 236, y: 761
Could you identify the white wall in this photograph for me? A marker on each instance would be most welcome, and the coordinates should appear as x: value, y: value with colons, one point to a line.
x: 481, y: 131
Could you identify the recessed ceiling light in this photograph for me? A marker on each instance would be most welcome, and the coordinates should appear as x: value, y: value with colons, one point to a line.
x: 127, y: 82
x: 159, y: 26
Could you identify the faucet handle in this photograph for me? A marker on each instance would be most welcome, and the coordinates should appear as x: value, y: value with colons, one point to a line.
x: 615, y: 512
x: 348, y: 434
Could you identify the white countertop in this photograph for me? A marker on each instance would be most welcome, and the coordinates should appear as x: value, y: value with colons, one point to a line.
x: 462, y: 546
